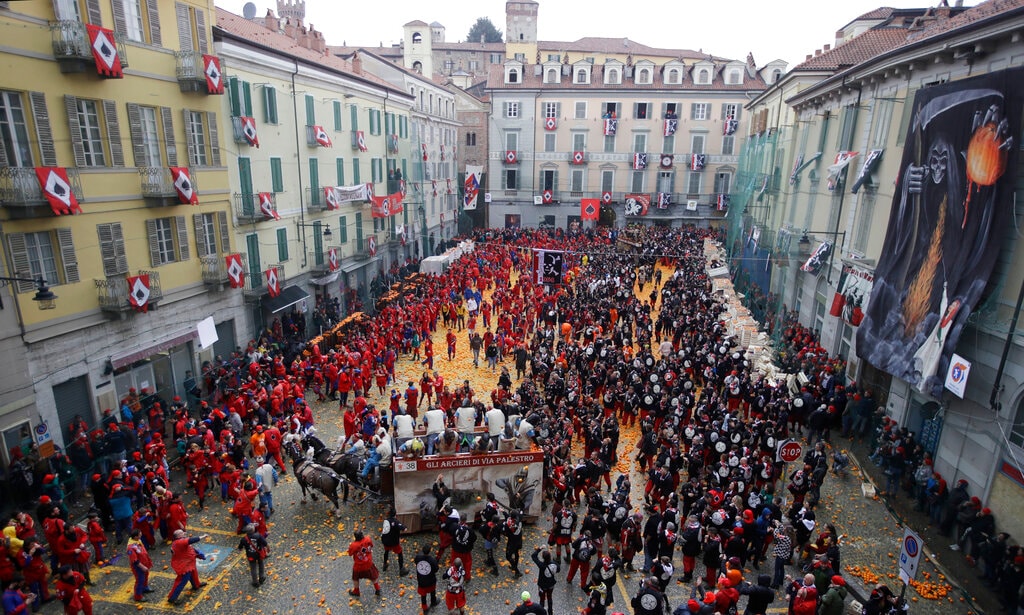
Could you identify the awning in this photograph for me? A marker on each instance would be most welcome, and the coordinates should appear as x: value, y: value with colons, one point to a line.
x: 324, y: 281
x: 352, y: 266
x: 176, y: 339
x: 290, y: 295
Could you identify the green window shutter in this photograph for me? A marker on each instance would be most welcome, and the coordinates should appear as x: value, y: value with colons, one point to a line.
x: 339, y: 165
x: 310, y: 110
x: 269, y: 104
x: 235, y: 96
x: 245, y: 180
x: 318, y: 243
x: 359, y: 230
x: 337, y: 115
x: 282, y: 245
x: 314, y: 177
x: 353, y: 117
x: 355, y: 171
x: 252, y: 244
x: 343, y: 225
x: 247, y: 98
x: 276, y: 176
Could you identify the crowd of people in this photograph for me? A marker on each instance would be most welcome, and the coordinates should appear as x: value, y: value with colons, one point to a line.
x: 632, y: 340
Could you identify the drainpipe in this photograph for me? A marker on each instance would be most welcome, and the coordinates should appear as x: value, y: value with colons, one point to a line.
x: 997, y: 384
x: 298, y: 158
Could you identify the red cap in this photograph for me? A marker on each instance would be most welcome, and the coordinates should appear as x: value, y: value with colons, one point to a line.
x: 738, y: 531
x: 986, y: 511
x: 45, y: 499
x: 97, y: 477
x: 975, y: 500
x: 693, y: 606
x: 709, y: 598
x: 49, y: 478
x: 838, y: 580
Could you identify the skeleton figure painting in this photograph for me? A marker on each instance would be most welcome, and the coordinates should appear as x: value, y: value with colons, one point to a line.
x: 951, y: 207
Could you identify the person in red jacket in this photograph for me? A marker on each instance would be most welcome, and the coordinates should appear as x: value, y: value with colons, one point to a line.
x: 97, y: 536
x: 72, y: 550
x: 71, y: 591
x: 35, y: 570
x: 141, y: 563
x: 273, y: 440
x: 183, y: 561
x: 177, y: 516
x: 363, y: 567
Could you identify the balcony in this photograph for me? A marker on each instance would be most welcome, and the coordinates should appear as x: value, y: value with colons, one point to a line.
x: 113, y: 294
x: 191, y: 72
x: 158, y: 187
x: 256, y: 282
x: 72, y: 50
x: 22, y: 197
x: 215, y: 271
x: 315, y: 200
x: 247, y: 207
x: 236, y: 131
x: 320, y: 262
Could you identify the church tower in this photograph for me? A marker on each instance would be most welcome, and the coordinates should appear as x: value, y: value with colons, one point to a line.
x: 295, y: 10
x: 521, y: 29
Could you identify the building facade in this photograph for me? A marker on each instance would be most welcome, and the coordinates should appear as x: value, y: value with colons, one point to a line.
x: 842, y: 172
x: 120, y: 128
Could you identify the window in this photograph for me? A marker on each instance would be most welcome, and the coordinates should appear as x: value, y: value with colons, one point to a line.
x: 470, y: 138
x: 356, y: 179
x: 693, y: 183
x: 669, y: 145
x: 846, y: 127
x: 89, y: 132
x: 731, y: 109
x: 513, y: 76
x: 865, y: 215
x: 551, y: 75
x: 276, y: 175
x: 880, y: 121
x: 613, y: 76
x: 704, y: 76
x: 581, y: 76
x: 697, y: 144
x: 700, y: 111
x: 579, y: 141
x: 495, y: 58
x: 150, y: 145
x: 554, y: 57
x: 46, y: 254
x: 449, y: 66
x: 336, y: 106
x: 343, y: 225
x: 549, y: 179
x: 282, y: 245
x: 723, y: 181
x: 310, y: 110
x: 673, y: 76
x: 474, y: 65
x: 339, y: 170
x: 636, y: 181
x: 512, y: 141
x: 666, y: 181
x: 168, y: 240
x: 374, y: 115
x: 111, y: 239
x: 581, y: 110
x: 510, y: 179
x: 641, y: 110
x: 551, y: 109
x: 520, y: 56
x: 131, y: 15
x: 609, y: 144
x: 643, y: 76
x: 240, y: 95
x: 549, y: 141
x: 734, y: 77
x: 196, y: 138
x: 728, y: 145
x: 191, y: 28
x: 776, y: 74
x: 417, y: 38
x: 206, y: 234
x: 376, y: 170
x: 511, y: 108
x: 639, y: 142
x: 576, y: 180
x: 14, y: 130
x: 269, y: 104
x: 607, y: 180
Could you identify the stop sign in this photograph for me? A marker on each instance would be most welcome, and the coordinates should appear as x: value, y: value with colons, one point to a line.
x: 791, y: 451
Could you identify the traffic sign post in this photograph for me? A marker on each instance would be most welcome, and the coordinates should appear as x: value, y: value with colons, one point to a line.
x: 790, y: 451
x: 910, y: 556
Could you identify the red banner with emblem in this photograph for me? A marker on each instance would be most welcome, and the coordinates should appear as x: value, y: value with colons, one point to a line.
x: 273, y: 283
x: 214, y: 76
x: 57, y: 190
x: 104, y: 52
x: 183, y: 185
x: 590, y: 209
x: 236, y: 272
x: 138, y: 292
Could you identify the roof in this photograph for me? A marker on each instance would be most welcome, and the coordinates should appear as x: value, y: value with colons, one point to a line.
x: 282, y: 44
x: 860, y: 48
x: 416, y: 22
x: 882, y: 12
x: 496, y: 79
x: 981, y: 12
x: 598, y: 44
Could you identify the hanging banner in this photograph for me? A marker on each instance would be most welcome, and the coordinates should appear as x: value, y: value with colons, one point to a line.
x: 670, y: 126
x: 104, y: 52
x: 273, y: 283
x: 590, y: 209
x: 610, y: 126
x: 267, y: 206
x: 371, y: 245
x: 697, y: 162
x: 550, y: 123
x: 814, y: 264
x: 945, y: 233
x: 330, y: 198
x: 852, y: 294
x: 138, y: 292
x: 236, y: 272
x: 361, y: 141
x: 548, y: 266
x: 867, y: 169
x: 332, y: 259
x: 472, y: 187
x: 606, y: 197
x: 57, y: 190
x: 956, y: 375
x: 835, y: 171
x: 637, y: 204
x: 321, y: 137
x: 381, y: 207
x: 214, y: 77
x: 359, y: 192
x: 182, y: 179
x: 249, y: 131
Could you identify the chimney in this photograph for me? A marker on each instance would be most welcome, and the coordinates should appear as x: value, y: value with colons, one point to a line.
x: 289, y: 28
x: 817, y: 52
x: 809, y: 56
x: 827, y: 47
x: 357, y: 63
x: 303, y: 38
x: 270, y: 22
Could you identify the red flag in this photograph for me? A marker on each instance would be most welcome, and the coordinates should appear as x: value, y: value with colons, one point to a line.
x: 547, y: 196
x: 330, y: 198
x: 424, y: 147
x: 361, y: 141
x: 577, y: 158
x: 449, y: 180
x: 267, y: 206
x: 606, y: 197
x: 214, y: 78
x: 511, y: 156
x: 332, y: 259
x: 182, y: 179
x: 371, y: 245
x: 320, y: 136
x: 236, y: 272
x: 273, y: 284
x: 381, y: 207
x: 550, y: 123
x: 249, y: 130
x: 396, y: 203
x: 57, y: 190
x: 590, y: 209
x: 138, y: 292
x: 104, y: 51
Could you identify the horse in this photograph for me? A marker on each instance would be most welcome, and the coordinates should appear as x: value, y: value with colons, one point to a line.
x: 313, y: 477
x: 346, y: 465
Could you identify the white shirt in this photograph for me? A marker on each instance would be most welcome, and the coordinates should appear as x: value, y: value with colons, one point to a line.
x: 465, y: 419
x: 434, y: 420
x: 404, y: 425
x: 495, y: 421
x: 384, y: 450
x: 524, y: 442
x: 266, y: 475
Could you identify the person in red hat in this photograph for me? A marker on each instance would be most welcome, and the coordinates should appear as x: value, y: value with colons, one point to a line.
x: 832, y: 603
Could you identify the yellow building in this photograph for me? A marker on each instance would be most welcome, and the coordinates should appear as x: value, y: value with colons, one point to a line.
x: 324, y: 128
x: 125, y: 98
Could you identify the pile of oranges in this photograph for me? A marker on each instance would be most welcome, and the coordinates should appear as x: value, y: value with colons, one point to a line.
x: 864, y: 573
x: 931, y: 590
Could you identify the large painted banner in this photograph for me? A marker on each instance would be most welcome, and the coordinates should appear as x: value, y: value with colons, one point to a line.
x: 515, y: 479
x: 952, y: 204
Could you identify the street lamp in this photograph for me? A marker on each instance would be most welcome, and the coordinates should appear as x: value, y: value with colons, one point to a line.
x: 44, y: 297
x: 327, y: 228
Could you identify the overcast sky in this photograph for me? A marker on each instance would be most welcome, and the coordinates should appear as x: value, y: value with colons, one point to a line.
x: 786, y: 29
